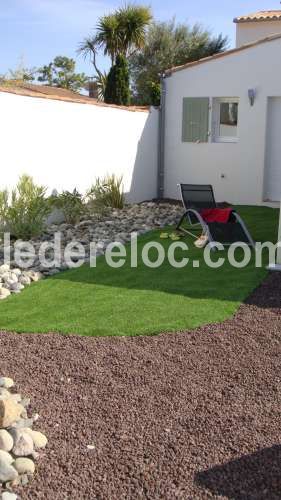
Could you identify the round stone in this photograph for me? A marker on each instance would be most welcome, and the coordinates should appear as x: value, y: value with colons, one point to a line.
x: 24, y: 280
x: 4, y: 268
x: 7, y: 495
x: 7, y: 471
x: 6, y: 440
x: 6, y: 382
x: 6, y: 457
x: 23, y: 443
x: 39, y: 439
x: 4, y: 293
x: 24, y: 466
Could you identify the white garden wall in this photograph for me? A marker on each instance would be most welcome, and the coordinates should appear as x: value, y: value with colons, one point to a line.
x: 67, y: 145
x: 236, y: 170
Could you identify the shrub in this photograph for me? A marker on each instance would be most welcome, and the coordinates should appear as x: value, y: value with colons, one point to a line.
x: 117, y: 90
x: 71, y: 204
x: 23, y: 211
x: 155, y: 93
x: 107, y: 193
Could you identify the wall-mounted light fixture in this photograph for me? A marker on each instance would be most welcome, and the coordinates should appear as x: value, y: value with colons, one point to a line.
x: 252, y: 95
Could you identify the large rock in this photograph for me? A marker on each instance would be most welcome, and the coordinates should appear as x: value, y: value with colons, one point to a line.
x: 6, y: 440
x: 23, y: 443
x: 39, y: 439
x: 7, y: 471
x: 24, y: 466
x: 10, y: 412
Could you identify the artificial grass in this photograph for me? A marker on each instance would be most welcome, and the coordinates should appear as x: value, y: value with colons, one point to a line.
x: 104, y: 301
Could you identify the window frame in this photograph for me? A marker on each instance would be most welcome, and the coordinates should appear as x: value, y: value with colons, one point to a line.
x: 216, y: 137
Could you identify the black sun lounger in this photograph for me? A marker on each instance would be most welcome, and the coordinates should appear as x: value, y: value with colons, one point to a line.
x: 195, y: 198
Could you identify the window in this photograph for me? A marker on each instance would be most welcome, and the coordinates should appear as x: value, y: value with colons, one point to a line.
x: 225, y: 119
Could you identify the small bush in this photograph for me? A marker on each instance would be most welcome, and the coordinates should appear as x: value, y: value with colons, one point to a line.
x: 107, y: 193
x: 23, y: 211
x: 71, y: 204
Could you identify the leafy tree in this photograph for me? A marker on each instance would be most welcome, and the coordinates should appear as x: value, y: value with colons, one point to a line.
x: 121, y: 33
x: 169, y: 44
x: 117, y: 89
x: 61, y: 73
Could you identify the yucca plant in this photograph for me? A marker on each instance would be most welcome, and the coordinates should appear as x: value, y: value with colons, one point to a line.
x: 107, y: 193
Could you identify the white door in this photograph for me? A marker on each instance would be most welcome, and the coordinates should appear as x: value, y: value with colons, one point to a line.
x: 272, y: 182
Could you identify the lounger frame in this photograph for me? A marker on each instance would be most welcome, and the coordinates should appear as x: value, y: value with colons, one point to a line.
x: 195, y: 220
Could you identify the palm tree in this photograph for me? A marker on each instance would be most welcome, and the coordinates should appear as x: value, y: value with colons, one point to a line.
x: 120, y: 33
x: 132, y: 23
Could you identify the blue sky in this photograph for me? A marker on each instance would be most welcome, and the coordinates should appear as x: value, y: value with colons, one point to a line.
x: 38, y: 30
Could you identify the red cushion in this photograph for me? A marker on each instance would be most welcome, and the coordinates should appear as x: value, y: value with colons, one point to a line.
x: 216, y: 214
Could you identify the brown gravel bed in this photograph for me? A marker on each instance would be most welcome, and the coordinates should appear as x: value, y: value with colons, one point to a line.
x: 192, y: 415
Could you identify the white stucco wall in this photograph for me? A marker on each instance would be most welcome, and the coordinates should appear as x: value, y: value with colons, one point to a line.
x: 242, y: 163
x: 67, y: 145
x: 250, y: 32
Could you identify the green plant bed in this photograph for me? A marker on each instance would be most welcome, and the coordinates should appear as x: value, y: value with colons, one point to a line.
x: 104, y: 301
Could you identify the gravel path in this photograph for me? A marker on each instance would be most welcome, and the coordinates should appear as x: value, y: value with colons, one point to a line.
x: 192, y: 415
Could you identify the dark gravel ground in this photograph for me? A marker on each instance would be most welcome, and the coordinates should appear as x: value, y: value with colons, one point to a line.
x: 192, y: 415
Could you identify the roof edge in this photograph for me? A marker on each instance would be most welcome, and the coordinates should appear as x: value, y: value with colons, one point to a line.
x: 260, y: 16
x: 35, y: 94
x: 270, y: 38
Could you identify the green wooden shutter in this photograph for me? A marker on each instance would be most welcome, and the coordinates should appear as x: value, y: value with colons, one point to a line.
x: 195, y: 122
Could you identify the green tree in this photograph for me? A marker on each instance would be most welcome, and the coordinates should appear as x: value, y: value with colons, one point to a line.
x: 169, y: 44
x: 61, y: 73
x: 121, y: 33
x: 117, y: 89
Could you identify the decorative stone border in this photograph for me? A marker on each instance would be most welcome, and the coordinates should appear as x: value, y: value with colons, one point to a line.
x: 19, y: 443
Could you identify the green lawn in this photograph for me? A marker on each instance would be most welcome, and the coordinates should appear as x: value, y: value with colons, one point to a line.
x: 125, y: 301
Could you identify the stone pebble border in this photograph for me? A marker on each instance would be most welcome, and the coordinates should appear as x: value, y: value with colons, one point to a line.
x: 19, y: 442
x: 115, y: 226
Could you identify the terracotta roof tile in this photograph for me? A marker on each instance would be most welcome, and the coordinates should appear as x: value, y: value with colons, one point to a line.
x: 58, y: 94
x: 263, y: 15
x: 223, y: 54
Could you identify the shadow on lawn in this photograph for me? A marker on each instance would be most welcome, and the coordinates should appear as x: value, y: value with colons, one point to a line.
x: 251, y: 477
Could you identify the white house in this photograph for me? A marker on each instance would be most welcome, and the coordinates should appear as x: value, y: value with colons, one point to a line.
x: 223, y: 117
x: 65, y: 140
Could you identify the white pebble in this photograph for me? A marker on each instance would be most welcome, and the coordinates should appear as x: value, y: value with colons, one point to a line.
x: 6, y: 382
x: 24, y: 466
x: 6, y: 440
x: 7, y: 495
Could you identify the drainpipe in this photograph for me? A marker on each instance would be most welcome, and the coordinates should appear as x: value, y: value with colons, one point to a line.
x: 161, y: 139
